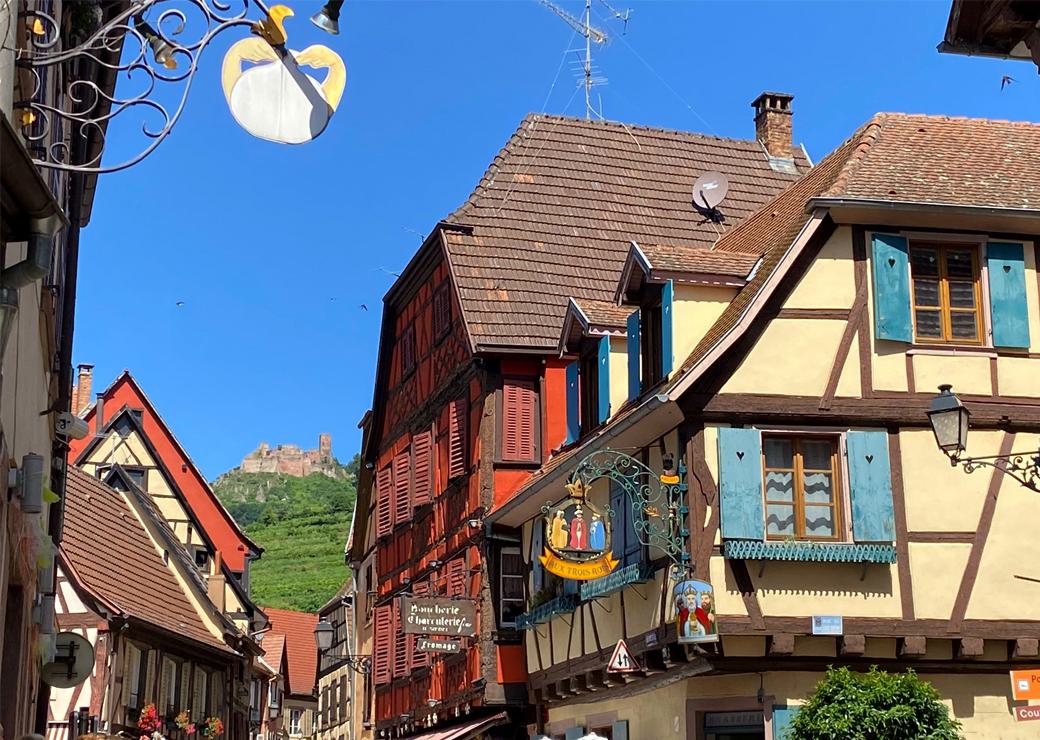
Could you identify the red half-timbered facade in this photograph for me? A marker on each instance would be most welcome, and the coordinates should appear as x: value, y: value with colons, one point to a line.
x: 473, y: 395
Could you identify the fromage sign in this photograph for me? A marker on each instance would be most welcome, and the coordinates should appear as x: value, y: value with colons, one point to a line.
x: 430, y: 616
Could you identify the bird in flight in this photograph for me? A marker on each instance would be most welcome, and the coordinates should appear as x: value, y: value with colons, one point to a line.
x: 180, y: 303
x: 363, y: 307
x: 1006, y: 80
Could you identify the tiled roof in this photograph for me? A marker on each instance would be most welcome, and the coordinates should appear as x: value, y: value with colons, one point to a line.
x: 555, y: 213
x: 274, y: 646
x: 302, y: 652
x: 698, y: 260
x: 116, y: 560
x: 604, y: 313
x: 941, y: 160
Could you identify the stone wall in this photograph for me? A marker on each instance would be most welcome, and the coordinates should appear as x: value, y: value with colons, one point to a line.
x: 292, y: 459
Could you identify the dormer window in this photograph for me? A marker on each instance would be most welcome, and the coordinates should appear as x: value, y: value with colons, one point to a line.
x: 588, y: 387
x: 650, y: 337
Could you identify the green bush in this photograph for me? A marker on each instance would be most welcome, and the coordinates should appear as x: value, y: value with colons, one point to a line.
x: 873, y: 706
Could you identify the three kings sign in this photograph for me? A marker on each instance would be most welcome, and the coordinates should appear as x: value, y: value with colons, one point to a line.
x: 577, y: 537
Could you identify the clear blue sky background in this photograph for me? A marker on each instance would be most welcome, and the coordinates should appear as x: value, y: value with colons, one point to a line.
x: 258, y: 238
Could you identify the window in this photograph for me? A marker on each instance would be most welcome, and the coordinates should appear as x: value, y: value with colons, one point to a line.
x: 369, y: 601
x: 408, y: 351
x: 802, y: 487
x: 200, y: 696
x: 441, y: 311
x: 200, y: 555
x: 650, y: 334
x: 137, y: 672
x: 458, y: 410
x: 170, y: 684
x: 946, y: 293
x: 588, y: 385
x: 519, y: 415
x: 296, y: 722
x: 511, y: 577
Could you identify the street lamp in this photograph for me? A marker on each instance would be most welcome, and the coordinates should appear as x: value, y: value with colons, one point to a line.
x: 949, y: 419
x: 323, y: 634
x: 327, y: 19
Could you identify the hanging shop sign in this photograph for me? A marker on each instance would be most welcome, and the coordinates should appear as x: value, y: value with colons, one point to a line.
x: 1029, y: 713
x: 438, y: 616
x: 73, y: 661
x: 577, y: 537
x: 622, y: 660
x: 274, y: 99
x: 694, y: 603
x: 438, y: 645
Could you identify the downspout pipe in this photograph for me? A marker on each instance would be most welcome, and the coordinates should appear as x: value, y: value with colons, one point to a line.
x: 37, y: 262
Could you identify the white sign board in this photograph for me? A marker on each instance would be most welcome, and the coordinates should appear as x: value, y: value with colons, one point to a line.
x: 826, y: 624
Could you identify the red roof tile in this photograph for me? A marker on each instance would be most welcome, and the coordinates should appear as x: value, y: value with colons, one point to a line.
x: 554, y: 215
x: 297, y: 628
x: 115, y: 559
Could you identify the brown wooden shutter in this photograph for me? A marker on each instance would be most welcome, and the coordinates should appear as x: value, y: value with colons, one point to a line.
x: 422, y: 459
x: 519, y: 421
x: 441, y: 311
x: 402, y: 488
x: 384, y: 502
x: 381, y: 654
x: 402, y: 652
x: 457, y: 443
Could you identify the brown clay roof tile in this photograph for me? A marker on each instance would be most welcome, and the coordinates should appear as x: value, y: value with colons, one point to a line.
x: 556, y: 211
x: 298, y: 630
x: 698, y: 260
x: 116, y: 560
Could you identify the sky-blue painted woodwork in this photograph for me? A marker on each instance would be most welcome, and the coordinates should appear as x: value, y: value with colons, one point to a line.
x: 1005, y: 262
x: 632, y: 324
x: 891, y: 262
x: 667, y: 299
x: 603, y: 379
x: 573, y: 405
x: 783, y: 716
x: 740, y: 483
x: 870, y: 483
x: 537, y: 546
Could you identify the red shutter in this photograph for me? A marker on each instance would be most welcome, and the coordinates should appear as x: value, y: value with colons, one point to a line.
x: 402, y: 645
x: 383, y: 644
x: 422, y: 459
x: 420, y: 659
x: 402, y: 488
x: 457, y: 585
x: 441, y: 311
x: 457, y: 418
x: 519, y: 421
x: 384, y: 503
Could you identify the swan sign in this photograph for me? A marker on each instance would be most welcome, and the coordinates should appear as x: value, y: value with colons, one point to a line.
x: 274, y: 99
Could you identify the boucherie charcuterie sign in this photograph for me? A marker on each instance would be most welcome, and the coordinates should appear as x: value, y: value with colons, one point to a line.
x: 432, y: 616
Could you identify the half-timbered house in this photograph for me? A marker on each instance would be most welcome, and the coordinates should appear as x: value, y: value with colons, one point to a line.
x: 783, y: 375
x: 128, y: 587
x: 471, y: 386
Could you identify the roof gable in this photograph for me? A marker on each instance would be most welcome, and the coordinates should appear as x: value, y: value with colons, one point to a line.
x: 555, y: 213
x: 233, y: 544
x: 298, y: 630
x: 114, y: 569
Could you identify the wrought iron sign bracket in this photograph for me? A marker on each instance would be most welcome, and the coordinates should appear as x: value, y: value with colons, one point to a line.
x: 1022, y: 466
x: 153, y: 54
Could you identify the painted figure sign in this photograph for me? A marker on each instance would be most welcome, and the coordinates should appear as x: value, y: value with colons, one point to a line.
x: 577, y: 537
x: 694, y: 603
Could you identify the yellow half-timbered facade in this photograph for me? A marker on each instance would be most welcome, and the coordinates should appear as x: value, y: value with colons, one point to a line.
x: 782, y: 378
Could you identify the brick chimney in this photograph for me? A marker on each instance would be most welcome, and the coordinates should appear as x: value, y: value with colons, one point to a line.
x: 82, y: 389
x: 773, y: 123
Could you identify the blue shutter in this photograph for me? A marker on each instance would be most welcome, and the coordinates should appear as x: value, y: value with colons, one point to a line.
x: 1007, y: 294
x: 573, y: 406
x: 619, y: 730
x: 625, y: 545
x: 740, y: 484
x: 870, y: 482
x: 667, y: 298
x: 603, y: 379
x: 633, y: 354
x: 892, y: 288
x: 537, y: 547
x: 783, y: 717
x: 574, y: 733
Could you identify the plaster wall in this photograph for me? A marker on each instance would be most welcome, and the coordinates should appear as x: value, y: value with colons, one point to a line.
x: 618, y: 373
x: 695, y: 308
x: 792, y: 357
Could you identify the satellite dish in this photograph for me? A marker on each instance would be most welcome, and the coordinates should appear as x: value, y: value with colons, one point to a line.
x: 73, y: 661
x: 709, y: 190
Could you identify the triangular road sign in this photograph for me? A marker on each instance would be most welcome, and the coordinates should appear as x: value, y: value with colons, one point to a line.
x: 622, y: 661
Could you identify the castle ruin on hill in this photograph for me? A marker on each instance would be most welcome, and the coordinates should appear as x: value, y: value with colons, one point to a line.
x: 292, y: 460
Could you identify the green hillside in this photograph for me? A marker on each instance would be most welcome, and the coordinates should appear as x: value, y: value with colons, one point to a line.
x: 302, y: 524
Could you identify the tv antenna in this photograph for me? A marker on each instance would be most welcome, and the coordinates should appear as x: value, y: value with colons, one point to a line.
x: 592, y: 35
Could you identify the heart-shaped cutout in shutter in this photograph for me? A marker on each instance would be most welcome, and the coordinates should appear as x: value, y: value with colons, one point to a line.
x: 740, y: 454
x: 870, y: 458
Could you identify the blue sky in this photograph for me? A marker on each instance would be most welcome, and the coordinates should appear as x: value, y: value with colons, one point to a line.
x: 274, y: 248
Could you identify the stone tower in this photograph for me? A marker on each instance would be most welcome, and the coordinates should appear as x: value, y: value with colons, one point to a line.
x: 325, y: 447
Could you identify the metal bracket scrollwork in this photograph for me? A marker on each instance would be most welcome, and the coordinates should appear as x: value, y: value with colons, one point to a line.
x: 155, y: 54
x: 657, y: 501
x: 1022, y: 466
